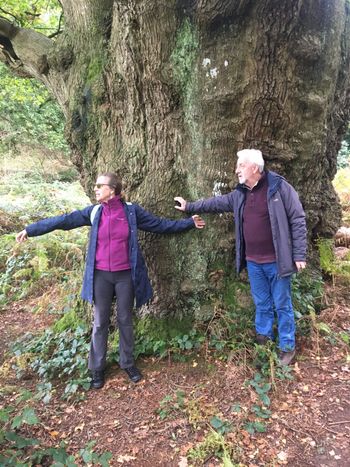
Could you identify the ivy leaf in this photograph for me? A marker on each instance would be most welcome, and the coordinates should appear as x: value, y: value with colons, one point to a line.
x: 86, y: 456
x: 250, y: 428
x: 19, y: 441
x: 61, y: 457
x: 265, y: 399
x: 216, y: 423
x: 4, y: 414
x: 260, y: 427
x: 236, y: 408
x: 266, y: 387
x: 188, y: 345
x: 16, y: 422
x: 105, y: 458
x: 29, y: 416
x: 26, y: 396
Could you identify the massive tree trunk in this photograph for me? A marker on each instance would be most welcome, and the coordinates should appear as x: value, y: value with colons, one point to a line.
x: 166, y: 92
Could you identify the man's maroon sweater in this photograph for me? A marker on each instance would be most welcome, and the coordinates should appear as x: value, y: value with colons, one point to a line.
x: 256, y: 224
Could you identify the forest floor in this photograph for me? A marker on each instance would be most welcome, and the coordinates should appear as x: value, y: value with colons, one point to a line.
x: 165, y: 417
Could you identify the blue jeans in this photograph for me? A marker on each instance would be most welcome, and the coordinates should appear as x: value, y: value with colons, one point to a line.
x: 272, y: 294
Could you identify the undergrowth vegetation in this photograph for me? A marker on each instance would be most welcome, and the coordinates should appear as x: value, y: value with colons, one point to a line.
x: 49, y: 268
x: 44, y: 275
x: 19, y: 448
x: 38, y: 266
x: 55, y: 356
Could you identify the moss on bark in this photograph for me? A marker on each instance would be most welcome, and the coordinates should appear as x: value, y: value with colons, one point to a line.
x: 167, y: 95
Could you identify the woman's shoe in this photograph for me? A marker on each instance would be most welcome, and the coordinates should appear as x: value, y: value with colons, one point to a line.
x: 97, y: 379
x: 134, y: 374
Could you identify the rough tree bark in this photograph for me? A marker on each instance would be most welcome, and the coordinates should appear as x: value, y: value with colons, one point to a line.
x: 166, y: 92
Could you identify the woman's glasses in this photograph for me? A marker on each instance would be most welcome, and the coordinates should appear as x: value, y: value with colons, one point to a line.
x: 100, y: 185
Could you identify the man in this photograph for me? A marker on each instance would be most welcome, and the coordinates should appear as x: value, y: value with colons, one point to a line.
x: 270, y: 233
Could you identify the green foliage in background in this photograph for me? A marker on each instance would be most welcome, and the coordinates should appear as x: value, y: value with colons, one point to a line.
x: 29, y: 116
x: 343, y: 159
x: 33, y: 197
x: 41, y: 15
x: 232, y: 321
x: 49, y: 262
x: 330, y: 264
x: 34, y: 267
x: 47, y: 269
x: 341, y: 184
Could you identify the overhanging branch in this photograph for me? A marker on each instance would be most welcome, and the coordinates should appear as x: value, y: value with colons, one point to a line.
x: 58, y: 28
x: 24, y: 48
x: 9, y: 14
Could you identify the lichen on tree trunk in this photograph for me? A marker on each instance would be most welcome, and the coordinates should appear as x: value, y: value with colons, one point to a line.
x: 166, y: 93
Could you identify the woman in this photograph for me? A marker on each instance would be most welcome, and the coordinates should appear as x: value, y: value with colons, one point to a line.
x: 114, y: 265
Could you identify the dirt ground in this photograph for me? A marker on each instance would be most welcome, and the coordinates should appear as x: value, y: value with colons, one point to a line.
x: 309, y: 423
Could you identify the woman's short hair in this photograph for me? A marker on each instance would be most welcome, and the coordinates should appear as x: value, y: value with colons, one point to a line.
x: 115, y: 181
x: 253, y: 156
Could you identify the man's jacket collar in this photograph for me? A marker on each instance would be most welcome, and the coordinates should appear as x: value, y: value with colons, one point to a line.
x: 274, y: 181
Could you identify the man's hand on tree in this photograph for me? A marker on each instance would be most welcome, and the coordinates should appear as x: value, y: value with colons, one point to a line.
x: 180, y: 203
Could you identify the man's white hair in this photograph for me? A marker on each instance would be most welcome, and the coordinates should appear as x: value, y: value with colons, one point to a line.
x: 253, y: 156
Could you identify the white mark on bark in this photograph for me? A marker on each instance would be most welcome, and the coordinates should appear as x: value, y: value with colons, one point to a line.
x: 217, y: 188
x: 206, y: 62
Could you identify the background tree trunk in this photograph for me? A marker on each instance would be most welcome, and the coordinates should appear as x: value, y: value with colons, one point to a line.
x: 167, y: 92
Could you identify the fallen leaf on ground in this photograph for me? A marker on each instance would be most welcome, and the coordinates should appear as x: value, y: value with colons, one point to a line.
x: 79, y: 427
x: 183, y: 462
x: 125, y: 458
x: 282, y: 456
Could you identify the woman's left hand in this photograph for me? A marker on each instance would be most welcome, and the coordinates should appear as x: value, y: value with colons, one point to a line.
x: 198, y: 222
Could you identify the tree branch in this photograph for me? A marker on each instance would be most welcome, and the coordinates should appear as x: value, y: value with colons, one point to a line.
x: 24, y: 48
x: 10, y: 14
x: 30, y: 13
x: 58, y: 28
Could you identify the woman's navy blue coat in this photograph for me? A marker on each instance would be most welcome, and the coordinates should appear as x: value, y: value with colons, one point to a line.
x: 138, y: 218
